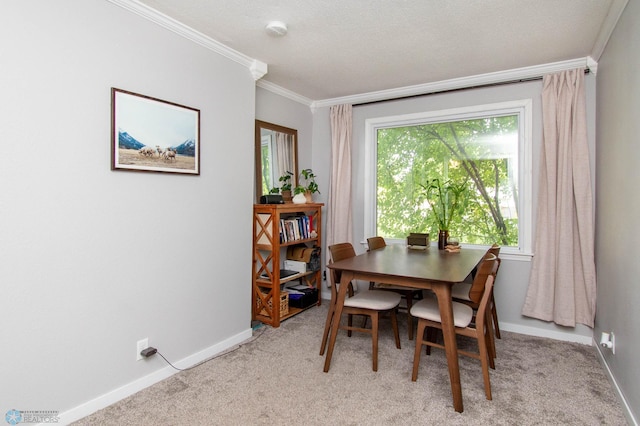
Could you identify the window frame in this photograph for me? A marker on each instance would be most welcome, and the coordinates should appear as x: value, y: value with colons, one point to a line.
x: 522, y: 107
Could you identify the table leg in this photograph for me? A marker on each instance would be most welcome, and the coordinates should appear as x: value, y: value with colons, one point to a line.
x: 443, y: 293
x: 337, y: 314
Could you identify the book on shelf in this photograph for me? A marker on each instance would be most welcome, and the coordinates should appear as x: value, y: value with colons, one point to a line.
x: 295, y: 228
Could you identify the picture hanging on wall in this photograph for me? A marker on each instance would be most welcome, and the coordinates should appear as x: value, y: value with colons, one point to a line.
x: 152, y: 135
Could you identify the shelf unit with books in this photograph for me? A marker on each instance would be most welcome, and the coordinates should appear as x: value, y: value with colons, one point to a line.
x: 277, y: 227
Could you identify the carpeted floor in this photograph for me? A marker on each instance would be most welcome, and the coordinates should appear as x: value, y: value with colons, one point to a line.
x: 277, y: 378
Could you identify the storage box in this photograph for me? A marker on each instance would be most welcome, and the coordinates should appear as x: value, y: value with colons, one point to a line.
x: 284, y: 304
x: 308, y: 255
x: 295, y: 265
x: 310, y: 297
x: 418, y: 239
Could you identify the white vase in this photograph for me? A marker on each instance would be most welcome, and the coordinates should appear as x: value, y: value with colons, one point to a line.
x: 299, y: 199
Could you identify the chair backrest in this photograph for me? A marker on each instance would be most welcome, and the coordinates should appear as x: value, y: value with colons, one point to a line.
x: 338, y: 252
x: 494, y: 249
x: 484, y: 301
x: 376, y: 242
x: 488, y: 266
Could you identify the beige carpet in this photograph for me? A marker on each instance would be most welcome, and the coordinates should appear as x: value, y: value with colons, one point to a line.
x: 276, y: 378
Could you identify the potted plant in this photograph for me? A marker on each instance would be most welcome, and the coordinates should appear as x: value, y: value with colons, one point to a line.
x: 285, y: 189
x: 308, y: 184
x: 446, y: 199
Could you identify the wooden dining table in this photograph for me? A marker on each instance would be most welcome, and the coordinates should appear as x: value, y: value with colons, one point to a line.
x: 431, y: 268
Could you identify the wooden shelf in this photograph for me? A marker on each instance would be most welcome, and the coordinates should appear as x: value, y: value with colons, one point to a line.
x: 270, y: 236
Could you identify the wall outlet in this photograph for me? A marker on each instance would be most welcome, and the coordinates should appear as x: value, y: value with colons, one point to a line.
x: 142, y: 344
x: 613, y: 343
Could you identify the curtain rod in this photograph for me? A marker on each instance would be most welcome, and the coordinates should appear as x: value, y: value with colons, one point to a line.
x: 437, y: 92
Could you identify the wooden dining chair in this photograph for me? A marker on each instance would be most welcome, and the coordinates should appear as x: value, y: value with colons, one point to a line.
x: 428, y: 315
x: 471, y: 293
x: 369, y: 303
x: 460, y: 291
x: 408, y: 294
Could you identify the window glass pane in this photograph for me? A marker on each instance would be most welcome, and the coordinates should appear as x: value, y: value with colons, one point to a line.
x: 479, y: 155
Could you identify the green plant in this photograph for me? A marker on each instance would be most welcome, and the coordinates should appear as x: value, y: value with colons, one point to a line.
x: 310, y: 184
x: 447, y: 199
x: 274, y: 190
x: 286, y: 181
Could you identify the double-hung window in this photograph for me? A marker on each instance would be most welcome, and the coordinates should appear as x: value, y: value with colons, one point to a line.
x: 485, y: 148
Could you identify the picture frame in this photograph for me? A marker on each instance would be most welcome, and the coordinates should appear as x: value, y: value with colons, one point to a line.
x: 153, y: 135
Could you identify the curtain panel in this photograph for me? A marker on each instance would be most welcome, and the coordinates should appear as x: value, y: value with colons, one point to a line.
x: 339, y: 219
x: 562, y: 285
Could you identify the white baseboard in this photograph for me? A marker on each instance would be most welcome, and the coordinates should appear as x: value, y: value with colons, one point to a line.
x: 625, y: 405
x: 137, y: 385
x: 551, y: 334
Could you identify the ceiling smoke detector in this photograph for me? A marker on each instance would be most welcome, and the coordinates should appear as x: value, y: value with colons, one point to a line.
x: 276, y: 28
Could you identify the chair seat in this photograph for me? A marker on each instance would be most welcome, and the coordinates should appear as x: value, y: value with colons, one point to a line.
x: 428, y: 309
x: 461, y: 291
x: 377, y: 300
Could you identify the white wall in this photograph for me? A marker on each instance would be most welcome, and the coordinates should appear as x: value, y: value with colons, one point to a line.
x: 92, y: 260
x: 618, y: 204
x: 513, y: 279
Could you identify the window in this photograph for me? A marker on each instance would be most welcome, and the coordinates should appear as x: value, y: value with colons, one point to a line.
x: 484, y: 148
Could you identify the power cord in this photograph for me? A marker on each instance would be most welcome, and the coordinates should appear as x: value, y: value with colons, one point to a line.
x: 257, y: 333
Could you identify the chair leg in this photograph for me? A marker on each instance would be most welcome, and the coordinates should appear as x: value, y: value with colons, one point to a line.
x: 327, y: 327
x: 409, y: 297
x: 491, y: 342
x: 484, y: 360
x: 494, y: 314
x: 374, y: 338
x: 350, y: 324
x: 416, y: 355
x: 394, y: 326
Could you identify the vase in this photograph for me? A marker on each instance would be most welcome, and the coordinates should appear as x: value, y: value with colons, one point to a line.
x: 443, y: 235
x: 308, y: 196
x: 286, y: 196
x: 299, y: 199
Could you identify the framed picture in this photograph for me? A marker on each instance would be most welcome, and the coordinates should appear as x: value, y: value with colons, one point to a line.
x: 153, y: 135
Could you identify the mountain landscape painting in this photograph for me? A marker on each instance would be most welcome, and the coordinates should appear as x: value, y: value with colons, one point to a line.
x: 149, y: 134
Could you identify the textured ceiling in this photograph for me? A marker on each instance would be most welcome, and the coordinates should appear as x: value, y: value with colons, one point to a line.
x: 348, y: 47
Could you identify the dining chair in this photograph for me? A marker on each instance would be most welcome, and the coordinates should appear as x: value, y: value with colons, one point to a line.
x: 428, y: 315
x: 471, y: 293
x: 369, y: 303
x: 408, y: 294
x: 460, y: 291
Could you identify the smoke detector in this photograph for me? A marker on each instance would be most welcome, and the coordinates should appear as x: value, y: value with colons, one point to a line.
x: 276, y: 28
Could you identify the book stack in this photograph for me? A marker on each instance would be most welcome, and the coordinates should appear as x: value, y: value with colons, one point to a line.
x: 295, y: 228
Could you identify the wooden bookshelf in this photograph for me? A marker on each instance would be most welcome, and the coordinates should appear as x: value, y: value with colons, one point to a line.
x: 275, y: 228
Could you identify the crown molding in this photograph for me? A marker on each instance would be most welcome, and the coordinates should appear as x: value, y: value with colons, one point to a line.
x: 278, y: 90
x: 609, y: 24
x: 459, y: 83
x: 256, y: 67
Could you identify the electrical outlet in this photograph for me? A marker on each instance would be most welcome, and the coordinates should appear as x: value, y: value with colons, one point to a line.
x: 613, y: 343
x: 142, y: 344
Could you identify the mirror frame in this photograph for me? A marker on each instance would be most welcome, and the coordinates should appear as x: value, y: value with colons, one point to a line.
x: 259, y: 125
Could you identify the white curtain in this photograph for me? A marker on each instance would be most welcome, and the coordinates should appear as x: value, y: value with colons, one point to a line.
x: 562, y: 286
x: 284, y: 151
x: 339, y: 222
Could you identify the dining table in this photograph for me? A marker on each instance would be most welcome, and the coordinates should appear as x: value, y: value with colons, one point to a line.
x: 429, y: 268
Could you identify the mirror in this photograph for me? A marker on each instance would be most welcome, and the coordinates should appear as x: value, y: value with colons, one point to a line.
x: 276, y: 154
